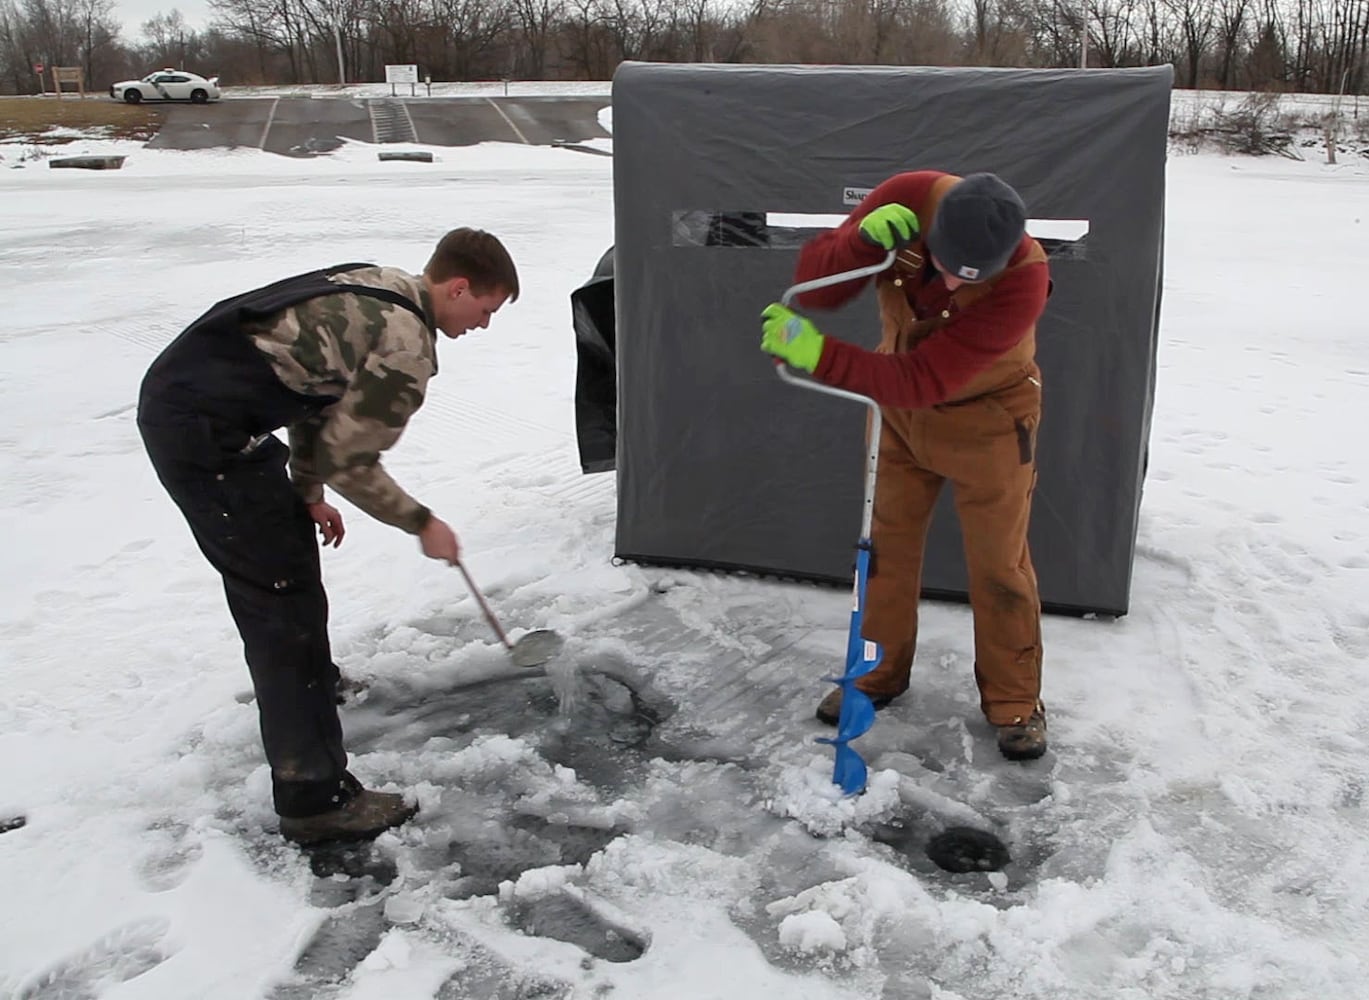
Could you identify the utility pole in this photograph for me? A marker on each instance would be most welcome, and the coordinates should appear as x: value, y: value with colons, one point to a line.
x: 337, y: 37
x: 1083, y: 34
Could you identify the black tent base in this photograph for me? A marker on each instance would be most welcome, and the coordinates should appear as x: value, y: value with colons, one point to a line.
x: 928, y: 593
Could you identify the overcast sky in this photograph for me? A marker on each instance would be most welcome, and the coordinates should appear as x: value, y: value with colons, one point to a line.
x: 132, y: 13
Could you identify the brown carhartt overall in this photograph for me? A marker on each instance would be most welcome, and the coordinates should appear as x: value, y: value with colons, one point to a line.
x: 982, y: 441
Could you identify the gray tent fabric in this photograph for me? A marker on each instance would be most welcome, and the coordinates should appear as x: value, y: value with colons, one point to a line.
x: 722, y: 465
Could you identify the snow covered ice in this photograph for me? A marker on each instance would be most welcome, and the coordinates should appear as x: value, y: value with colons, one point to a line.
x: 1197, y: 831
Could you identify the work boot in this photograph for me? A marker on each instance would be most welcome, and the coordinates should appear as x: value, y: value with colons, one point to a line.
x: 348, y: 689
x: 829, y: 709
x: 1024, y: 739
x: 365, y: 816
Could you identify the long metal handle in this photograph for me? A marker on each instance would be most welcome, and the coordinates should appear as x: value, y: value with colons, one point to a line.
x: 489, y: 615
x: 876, y: 421
x: 814, y: 284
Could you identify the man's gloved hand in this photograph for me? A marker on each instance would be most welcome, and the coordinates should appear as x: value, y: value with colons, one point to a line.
x: 790, y: 337
x: 891, y: 226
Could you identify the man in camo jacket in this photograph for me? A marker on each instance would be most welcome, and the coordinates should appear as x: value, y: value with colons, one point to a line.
x: 340, y: 358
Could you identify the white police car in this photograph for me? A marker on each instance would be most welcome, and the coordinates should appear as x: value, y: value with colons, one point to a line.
x: 168, y: 85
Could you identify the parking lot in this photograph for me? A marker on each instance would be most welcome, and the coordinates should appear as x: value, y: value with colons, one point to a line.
x: 298, y: 126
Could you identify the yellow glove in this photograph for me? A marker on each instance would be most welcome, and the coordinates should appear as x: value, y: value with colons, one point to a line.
x: 791, y: 337
x: 891, y: 226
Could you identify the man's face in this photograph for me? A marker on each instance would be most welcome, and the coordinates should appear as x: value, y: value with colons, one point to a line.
x: 951, y: 281
x: 461, y: 310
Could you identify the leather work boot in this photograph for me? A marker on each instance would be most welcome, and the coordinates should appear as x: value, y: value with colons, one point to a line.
x: 365, y: 816
x: 1024, y: 739
x: 829, y: 709
x: 348, y: 689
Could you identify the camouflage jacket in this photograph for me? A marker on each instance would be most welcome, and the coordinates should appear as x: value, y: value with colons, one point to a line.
x: 374, y: 358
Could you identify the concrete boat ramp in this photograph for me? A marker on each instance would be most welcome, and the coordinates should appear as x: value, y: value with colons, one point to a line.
x: 303, y: 126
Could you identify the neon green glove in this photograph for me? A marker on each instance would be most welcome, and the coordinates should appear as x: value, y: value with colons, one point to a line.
x: 791, y: 337
x: 891, y: 226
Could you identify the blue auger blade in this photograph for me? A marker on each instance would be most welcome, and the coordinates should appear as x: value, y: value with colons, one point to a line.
x: 857, y: 709
x: 849, y: 770
x: 857, y: 713
x: 862, y: 656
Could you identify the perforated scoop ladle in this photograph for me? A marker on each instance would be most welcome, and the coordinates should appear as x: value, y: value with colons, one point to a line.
x: 531, y: 650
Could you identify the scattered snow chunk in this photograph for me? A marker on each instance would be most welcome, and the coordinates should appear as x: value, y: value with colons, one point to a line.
x: 813, y: 931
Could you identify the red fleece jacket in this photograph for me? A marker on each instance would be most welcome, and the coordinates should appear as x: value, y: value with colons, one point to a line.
x: 933, y: 370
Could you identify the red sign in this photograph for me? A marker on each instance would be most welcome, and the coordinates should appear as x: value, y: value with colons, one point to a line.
x: 38, y: 67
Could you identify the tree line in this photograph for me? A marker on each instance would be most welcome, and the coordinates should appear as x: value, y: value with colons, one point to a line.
x: 1310, y: 46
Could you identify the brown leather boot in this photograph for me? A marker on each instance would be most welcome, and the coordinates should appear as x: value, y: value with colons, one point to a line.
x: 365, y: 816
x: 348, y: 689
x: 1024, y: 739
x: 829, y: 709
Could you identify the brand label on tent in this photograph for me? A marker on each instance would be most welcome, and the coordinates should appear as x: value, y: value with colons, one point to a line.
x: 854, y: 195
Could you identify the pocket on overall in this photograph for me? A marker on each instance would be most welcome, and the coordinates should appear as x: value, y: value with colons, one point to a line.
x: 258, y: 521
x: 1020, y: 406
x: 1026, y: 439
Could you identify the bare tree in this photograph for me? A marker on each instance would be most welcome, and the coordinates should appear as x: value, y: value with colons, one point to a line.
x: 998, y: 32
x: 15, y: 68
x: 99, y: 40
x: 589, y: 44
x: 1267, y: 62
x: 1054, y: 30
x: 464, y: 35
x: 698, y: 20
x: 53, y: 30
x: 534, y: 22
x: 1302, y: 70
x: 274, y: 25
x: 1302, y: 44
x: 1344, y: 33
x: 1231, y: 17
x: 1112, y: 31
x: 1195, y: 22
x: 636, y: 26
x: 1153, y: 34
x: 165, y: 38
x: 867, y: 29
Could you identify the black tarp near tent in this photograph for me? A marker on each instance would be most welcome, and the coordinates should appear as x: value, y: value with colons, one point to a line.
x: 596, y: 377
x: 717, y: 172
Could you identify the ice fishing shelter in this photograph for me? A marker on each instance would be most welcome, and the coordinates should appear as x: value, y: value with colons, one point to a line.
x: 719, y: 463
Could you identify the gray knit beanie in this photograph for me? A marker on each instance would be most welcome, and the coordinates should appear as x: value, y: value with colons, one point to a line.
x: 977, y: 227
